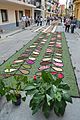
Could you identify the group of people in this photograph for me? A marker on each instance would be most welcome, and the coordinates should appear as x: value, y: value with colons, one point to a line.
x: 70, y: 23
x: 26, y: 21
x: 48, y: 20
x: 39, y: 20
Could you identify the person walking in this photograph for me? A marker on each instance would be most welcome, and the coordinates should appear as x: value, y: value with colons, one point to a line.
x: 41, y: 20
x: 67, y: 24
x: 73, y: 24
x: 38, y: 20
x: 48, y: 21
x: 23, y: 20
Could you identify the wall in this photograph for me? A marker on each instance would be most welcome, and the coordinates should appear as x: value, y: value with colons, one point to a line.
x: 11, y: 11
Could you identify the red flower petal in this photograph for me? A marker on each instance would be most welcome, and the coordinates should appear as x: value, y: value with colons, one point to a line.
x: 60, y: 75
x: 34, y: 77
x: 53, y: 73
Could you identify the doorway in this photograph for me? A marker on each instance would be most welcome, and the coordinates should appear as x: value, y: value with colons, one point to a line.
x: 27, y: 13
x: 16, y: 17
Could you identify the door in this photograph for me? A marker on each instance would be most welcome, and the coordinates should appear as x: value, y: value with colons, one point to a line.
x: 16, y: 17
x: 27, y: 13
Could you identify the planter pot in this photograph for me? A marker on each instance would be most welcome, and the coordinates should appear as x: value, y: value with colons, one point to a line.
x: 18, y: 100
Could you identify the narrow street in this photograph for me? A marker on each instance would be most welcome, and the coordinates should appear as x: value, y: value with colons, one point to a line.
x: 14, y: 42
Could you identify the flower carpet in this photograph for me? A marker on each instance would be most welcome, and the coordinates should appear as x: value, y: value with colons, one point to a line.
x: 47, y: 51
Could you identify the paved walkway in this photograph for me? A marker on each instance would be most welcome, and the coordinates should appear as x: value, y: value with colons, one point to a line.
x: 23, y: 112
x: 14, y: 40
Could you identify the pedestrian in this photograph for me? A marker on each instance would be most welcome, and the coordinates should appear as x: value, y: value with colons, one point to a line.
x: 73, y: 24
x: 41, y: 20
x: 23, y: 20
x: 67, y: 24
x: 48, y: 20
x: 38, y: 20
x: 64, y: 19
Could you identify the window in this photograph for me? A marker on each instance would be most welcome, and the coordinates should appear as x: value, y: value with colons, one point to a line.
x: 20, y: 14
x: 4, y: 15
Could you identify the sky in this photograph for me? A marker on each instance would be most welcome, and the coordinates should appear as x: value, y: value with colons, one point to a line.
x: 63, y: 1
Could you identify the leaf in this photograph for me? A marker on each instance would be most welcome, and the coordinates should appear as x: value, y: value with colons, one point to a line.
x: 8, y: 97
x: 21, y: 78
x: 24, y: 98
x: 46, y: 76
x: 64, y: 86
x: 57, y: 82
x: 35, y: 104
x: 2, y: 92
x: 46, y: 109
x: 59, y: 107
x: 67, y: 97
x: 30, y: 88
x: 48, y: 98
x: 57, y: 96
x: 13, y: 98
x: 32, y: 92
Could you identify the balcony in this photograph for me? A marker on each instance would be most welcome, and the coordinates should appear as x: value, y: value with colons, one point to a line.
x: 29, y: 3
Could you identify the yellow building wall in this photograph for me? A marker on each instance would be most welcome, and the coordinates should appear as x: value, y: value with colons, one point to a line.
x: 11, y: 11
x: 77, y: 10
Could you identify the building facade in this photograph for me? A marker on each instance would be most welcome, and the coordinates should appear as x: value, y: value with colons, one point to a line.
x: 40, y: 8
x: 51, y: 7
x: 11, y: 12
x: 76, y: 4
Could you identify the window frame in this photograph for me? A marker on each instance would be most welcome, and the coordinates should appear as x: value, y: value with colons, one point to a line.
x: 4, y: 15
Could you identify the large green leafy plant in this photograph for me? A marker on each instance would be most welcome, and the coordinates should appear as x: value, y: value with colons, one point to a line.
x: 13, y: 92
x: 48, y: 92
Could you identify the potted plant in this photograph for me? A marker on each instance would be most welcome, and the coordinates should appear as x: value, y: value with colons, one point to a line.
x: 13, y: 92
x: 48, y: 92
